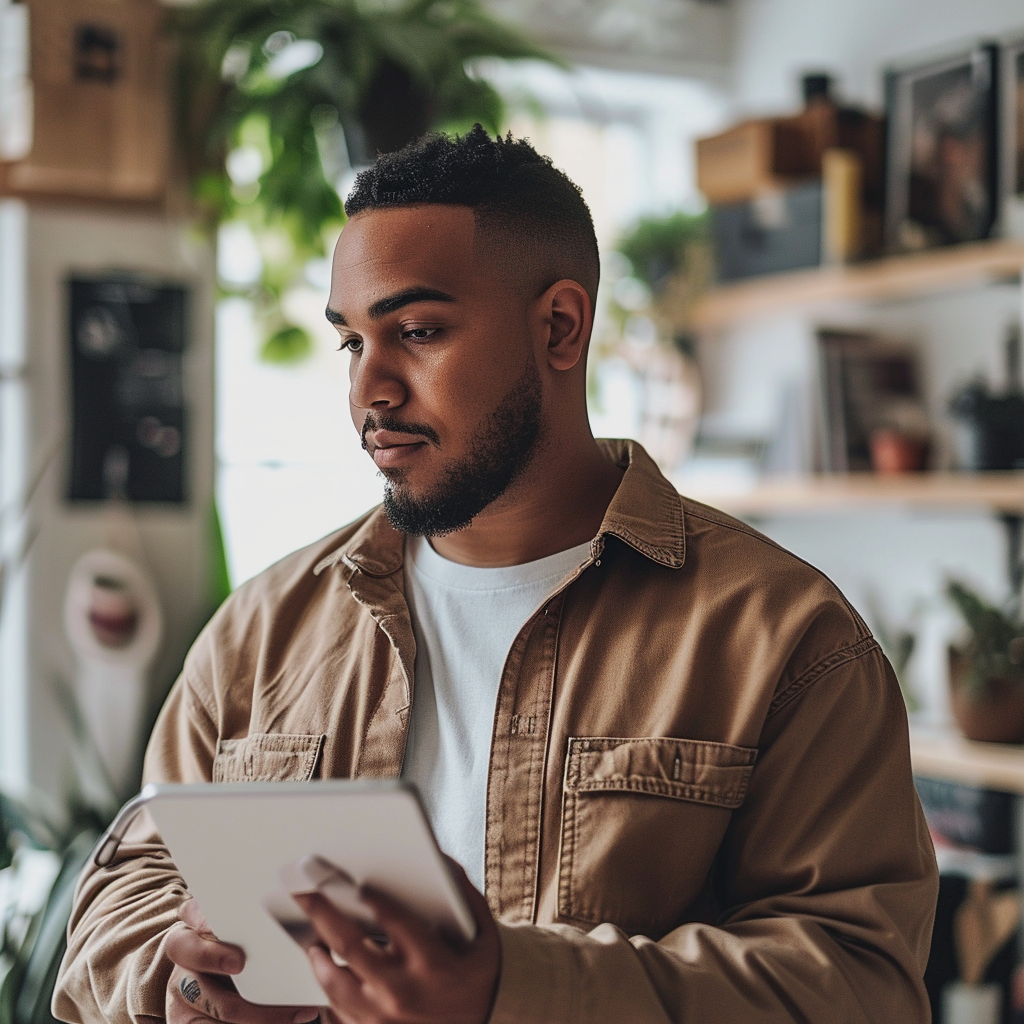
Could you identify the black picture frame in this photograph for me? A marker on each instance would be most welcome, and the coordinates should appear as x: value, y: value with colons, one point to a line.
x: 1011, y: 136
x: 942, y: 162
x: 127, y: 339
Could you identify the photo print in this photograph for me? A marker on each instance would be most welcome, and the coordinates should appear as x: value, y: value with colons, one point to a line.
x: 943, y: 159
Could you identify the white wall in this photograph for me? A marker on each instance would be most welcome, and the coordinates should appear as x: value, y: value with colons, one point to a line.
x: 44, y: 246
x: 776, y: 40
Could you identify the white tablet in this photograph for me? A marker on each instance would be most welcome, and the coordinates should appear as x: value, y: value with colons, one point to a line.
x: 242, y: 847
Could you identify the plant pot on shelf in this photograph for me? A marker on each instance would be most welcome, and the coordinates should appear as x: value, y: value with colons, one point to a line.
x: 992, y: 714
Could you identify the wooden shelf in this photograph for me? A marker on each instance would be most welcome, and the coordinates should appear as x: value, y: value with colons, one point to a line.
x: 895, y: 277
x: 1001, y: 492
x: 947, y: 755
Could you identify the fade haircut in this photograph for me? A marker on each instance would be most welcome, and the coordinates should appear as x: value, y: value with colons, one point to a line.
x: 535, y: 217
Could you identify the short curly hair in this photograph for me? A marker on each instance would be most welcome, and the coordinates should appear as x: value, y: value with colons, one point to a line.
x: 535, y: 212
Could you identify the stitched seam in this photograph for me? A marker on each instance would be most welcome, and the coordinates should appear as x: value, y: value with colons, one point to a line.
x: 691, y: 792
x: 570, y: 807
x: 821, y: 668
x: 232, y: 756
x: 660, y: 555
x: 570, y: 868
x: 738, y: 527
x: 531, y: 865
x: 597, y: 743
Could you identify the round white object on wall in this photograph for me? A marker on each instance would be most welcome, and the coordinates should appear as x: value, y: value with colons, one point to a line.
x: 114, y: 624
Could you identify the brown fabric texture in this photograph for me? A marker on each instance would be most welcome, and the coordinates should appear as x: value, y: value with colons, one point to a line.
x: 700, y: 804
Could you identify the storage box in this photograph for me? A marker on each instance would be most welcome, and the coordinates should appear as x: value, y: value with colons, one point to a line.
x: 753, y: 157
x: 101, y: 125
x: 776, y: 232
x: 773, y: 153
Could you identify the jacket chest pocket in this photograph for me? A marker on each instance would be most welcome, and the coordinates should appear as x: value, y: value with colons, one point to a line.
x: 642, y: 820
x: 268, y: 757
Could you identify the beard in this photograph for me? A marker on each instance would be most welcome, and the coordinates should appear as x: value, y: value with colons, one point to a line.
x: 504, y: 445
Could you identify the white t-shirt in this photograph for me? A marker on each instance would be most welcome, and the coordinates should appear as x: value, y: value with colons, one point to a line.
x: 465, y: 620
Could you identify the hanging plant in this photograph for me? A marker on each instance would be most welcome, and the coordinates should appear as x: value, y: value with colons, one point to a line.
x: 277, y: 99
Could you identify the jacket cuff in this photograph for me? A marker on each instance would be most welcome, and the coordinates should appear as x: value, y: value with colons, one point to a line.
x: 536, y: 981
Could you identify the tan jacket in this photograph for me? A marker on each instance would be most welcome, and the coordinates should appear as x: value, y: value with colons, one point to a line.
x: 700, y: 806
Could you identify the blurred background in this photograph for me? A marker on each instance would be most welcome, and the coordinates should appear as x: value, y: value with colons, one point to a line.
x: 811, y: 220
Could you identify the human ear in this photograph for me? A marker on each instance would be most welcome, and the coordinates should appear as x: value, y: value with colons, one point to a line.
x: 568, y: 317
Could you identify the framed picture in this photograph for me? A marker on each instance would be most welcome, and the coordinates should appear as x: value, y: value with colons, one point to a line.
x: 1011, y: 62
x: 127, y: 342
x: 943, y: 160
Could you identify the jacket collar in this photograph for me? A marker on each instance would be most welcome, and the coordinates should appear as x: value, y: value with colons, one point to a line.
x: 646, y: 513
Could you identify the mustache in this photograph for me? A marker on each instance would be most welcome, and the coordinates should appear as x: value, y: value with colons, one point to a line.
x: 376, y: 421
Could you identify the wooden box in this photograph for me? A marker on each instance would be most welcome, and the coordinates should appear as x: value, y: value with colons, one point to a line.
x: 754, y: 157
x: 769, y: 154
x: 101, y: 124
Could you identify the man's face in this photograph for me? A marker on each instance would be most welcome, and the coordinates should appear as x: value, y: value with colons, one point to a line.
x: 445, y: 389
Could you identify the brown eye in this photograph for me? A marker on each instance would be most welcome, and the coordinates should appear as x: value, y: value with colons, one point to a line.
x: 351, y: 345
x: 420, y: 333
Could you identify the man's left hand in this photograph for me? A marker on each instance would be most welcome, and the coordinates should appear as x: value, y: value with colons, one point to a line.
x: 419, y: 977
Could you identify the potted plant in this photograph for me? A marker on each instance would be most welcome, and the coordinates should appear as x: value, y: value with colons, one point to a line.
x: 663, y: 265
x: 987, y: 670
x: 276, y: 99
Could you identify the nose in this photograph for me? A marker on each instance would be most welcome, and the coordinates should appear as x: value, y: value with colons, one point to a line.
x: 375, y: 379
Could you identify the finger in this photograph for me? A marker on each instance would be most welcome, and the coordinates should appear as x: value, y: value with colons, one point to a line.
x: 191, y: 915
x: 211, y: 996
x: 343, y: 989
x: 194, y: 952
x: 343, y: 935
x: 478, y: 904
x: 407, y: 931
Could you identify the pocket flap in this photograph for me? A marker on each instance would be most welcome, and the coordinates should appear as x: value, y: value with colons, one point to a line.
x: 267, y: 757
x: 697, y: 770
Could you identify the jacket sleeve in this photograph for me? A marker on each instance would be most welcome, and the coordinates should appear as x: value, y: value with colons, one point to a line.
x: 114, y: 969
x: 826, y: 877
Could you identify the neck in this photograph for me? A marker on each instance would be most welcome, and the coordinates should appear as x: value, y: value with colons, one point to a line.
x: 558, y: 502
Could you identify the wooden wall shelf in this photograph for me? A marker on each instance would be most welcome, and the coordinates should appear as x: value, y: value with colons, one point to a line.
x: 888, y: 279
x: 947, y: 755
x: 999, y: 492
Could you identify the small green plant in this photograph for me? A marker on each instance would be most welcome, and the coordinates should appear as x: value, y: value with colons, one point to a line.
x: 898, y: 643
x: 656, y: 247
x: 666, y: 266
x: 995, y: 648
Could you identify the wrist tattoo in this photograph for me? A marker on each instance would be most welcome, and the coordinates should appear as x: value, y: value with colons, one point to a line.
x: 189, y: 988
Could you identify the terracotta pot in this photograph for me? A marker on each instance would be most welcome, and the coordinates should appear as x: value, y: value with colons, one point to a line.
x: 995, y: 715
x: 893, y: 453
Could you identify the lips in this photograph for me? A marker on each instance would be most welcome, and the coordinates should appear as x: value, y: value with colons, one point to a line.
x: 389, y: 449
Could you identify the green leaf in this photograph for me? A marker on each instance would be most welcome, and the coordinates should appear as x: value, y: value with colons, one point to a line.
x: 431, y: 40
x: 218, y: 580
x: 992, y: 631
x: 656, y: 246
x: 40, y: 958
x: 290, y: 344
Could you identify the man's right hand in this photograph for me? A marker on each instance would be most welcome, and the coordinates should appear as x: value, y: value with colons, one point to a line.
x: 200, y: 988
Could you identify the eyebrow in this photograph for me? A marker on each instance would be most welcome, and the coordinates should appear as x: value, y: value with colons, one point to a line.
x: 391, y: 303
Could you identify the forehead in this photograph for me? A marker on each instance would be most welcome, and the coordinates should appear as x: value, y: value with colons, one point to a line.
x: 380, y: 251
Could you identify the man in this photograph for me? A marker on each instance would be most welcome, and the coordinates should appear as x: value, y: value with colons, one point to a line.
x: 669, y: 752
